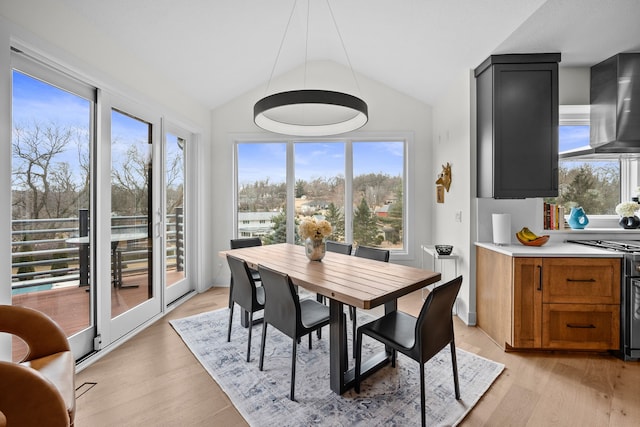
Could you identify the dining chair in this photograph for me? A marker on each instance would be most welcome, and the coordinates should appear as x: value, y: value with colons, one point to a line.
x: 286, y: 312
x: 339, y: 247
x: 246, y: 242
x: 245, y: 293
x: 376, y: 254
x: 419, y: 338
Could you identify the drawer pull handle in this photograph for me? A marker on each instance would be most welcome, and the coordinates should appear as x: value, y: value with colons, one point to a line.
x: 581, y: 280
x: 581, y: 325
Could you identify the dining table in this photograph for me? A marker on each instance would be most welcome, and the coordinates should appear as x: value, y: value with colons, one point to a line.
x: 116, y: 261
x: 342, y: 279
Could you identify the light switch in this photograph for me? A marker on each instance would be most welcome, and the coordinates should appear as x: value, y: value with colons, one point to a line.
x: 458, y: 216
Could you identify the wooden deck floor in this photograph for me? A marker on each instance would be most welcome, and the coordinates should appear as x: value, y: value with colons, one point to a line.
x: 70, y: 306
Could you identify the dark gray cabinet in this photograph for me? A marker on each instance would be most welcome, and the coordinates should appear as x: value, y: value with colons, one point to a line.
x: 517, y: 126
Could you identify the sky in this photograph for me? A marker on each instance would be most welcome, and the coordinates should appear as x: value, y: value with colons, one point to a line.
x: 259, y: 161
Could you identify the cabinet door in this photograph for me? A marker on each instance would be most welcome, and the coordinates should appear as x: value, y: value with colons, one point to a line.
x: 527, y: 303
x: 526, y: 130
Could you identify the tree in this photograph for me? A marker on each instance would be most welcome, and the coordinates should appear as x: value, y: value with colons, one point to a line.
x: 365, y: 228
x: 582, y: 191
x: 34, y: 156
x: 299, y: 188
x: 393, y: 221
x: 130, y: 183
x: 279, y: 234
x: 336, y: 218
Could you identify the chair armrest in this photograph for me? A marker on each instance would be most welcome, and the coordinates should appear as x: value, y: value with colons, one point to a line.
x: 36, y: 329
x: 29, y: 399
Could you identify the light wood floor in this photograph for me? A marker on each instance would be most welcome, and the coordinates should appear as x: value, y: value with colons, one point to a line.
x: 154, y: 380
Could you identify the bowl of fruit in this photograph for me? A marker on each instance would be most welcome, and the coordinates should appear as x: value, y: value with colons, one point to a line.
x: 529, y: 238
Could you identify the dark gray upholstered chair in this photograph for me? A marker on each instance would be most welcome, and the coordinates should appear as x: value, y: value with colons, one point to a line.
x: 245, y: 293
x: 284, y: 311
x: 419, y: 338
x: 370, y: 253
x: 339, y: 247
x: 244, y: 243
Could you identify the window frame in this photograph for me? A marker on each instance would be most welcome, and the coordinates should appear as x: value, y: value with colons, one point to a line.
x: 579, y: 115
x: 408, y: 239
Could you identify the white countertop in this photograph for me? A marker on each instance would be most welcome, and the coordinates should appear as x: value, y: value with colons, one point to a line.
x: 550, y: 249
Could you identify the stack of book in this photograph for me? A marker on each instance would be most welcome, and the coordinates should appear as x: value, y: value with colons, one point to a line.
x: 553, y: 216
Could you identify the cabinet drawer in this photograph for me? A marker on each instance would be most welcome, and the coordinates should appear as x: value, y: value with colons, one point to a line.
x: 588, y: 280
x: 581, y: 326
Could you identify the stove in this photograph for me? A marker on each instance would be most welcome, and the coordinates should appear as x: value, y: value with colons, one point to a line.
x: 630, y: 297
x: 626, y: 246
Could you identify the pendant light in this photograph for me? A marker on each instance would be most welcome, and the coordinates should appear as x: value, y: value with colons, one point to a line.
x: 310, y: 112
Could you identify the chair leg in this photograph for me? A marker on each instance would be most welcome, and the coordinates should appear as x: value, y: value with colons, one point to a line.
x: 422, y: 408
x: 249, y: 338
x: 293, y: 369
x: 454, y: 363
x: 230, y: 320
x: 264, y: 338
x: 358, y: 350
x: 310, y: 333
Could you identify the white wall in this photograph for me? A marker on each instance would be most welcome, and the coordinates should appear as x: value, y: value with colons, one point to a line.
x: 389, y: 111
x: 452, y: 134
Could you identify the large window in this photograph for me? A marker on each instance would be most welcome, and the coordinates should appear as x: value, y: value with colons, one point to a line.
x: 592, y: 182
x: 297, y: 179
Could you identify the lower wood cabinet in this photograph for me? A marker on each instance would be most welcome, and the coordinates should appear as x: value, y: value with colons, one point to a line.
x: 549, y: 303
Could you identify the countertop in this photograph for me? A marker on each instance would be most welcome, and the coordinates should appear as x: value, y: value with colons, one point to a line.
x: 551, y: 249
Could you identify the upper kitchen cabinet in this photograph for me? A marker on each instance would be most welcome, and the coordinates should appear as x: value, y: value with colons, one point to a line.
x: 517, y: 119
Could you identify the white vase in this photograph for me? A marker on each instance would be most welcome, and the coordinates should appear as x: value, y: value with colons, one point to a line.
x: 314, y: 249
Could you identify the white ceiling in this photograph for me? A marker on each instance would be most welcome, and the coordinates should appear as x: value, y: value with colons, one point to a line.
x: 215, y: 50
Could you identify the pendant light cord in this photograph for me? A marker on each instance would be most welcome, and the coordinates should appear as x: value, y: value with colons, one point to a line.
x: 335, y: 24
x: 284, y: 36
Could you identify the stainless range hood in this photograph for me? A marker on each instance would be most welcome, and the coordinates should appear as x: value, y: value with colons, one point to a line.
x: 615, y: 109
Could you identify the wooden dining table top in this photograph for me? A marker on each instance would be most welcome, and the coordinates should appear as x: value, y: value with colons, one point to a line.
x: 360, y: 282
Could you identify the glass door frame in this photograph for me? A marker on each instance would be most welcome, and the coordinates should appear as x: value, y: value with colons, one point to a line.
x: 186, y: 284
x: 111, y: 330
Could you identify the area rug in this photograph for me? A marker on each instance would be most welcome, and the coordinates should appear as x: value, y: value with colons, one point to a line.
x: 390, y: 397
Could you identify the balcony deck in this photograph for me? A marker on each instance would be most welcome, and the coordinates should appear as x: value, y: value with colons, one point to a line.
x: 70, y: 306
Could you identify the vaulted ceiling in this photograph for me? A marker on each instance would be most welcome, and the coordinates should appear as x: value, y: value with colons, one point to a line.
x: 215, y: 50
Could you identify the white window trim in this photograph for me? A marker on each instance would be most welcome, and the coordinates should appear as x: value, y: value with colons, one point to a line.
x: 408, y: 190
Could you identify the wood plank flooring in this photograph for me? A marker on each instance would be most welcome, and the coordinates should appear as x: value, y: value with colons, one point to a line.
x: 153, y: 379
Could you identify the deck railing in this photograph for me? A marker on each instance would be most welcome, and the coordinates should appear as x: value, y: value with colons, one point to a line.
x: 41, y: 256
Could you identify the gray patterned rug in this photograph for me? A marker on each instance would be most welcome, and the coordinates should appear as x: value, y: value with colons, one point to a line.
x: 391, y: 397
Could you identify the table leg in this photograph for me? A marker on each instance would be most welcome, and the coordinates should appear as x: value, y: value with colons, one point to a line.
x: 338, y: 348
x: 341, y: 378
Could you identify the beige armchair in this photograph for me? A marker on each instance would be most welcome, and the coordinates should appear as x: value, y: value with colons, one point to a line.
x: 40, y: 389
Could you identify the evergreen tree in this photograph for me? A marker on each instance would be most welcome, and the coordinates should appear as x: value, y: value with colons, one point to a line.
x: 300, y: 188
x: 365, y: 228
x: 279, y: 233
x: 336, y: 218
x: 582, y: 190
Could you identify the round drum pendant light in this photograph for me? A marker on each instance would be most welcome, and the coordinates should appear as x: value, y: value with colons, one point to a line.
x: 310, y: 112
x: 317, y: 112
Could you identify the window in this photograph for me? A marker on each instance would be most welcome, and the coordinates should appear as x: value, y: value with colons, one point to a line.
x: 594, y: 182
x: 278, y: 180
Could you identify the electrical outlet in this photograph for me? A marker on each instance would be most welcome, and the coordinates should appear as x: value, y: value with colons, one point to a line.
x: 458, y: 216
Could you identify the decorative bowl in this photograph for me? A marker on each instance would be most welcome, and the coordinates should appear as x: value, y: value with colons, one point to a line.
x: 444, y: 249
x: 541, y: 240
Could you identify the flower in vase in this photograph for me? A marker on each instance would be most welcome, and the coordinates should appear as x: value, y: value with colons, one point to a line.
x: 626, y: 209
x: 312, y: 228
